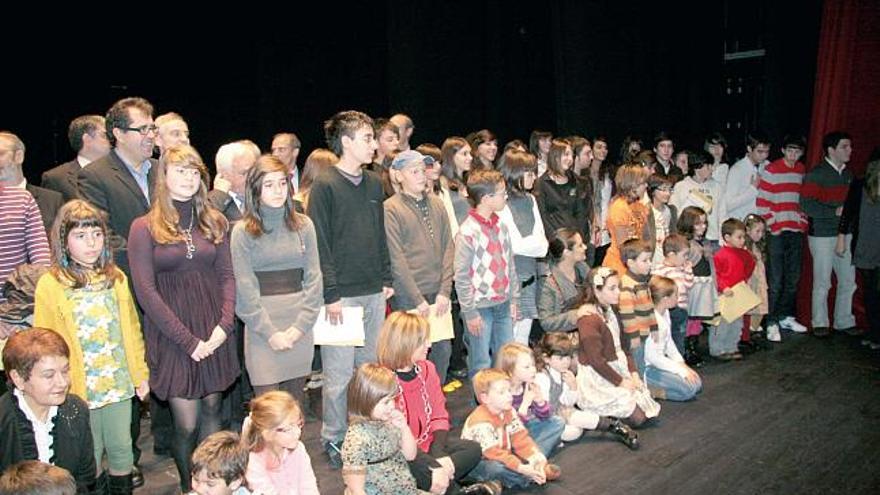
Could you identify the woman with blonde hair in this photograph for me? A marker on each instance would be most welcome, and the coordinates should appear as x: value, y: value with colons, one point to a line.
x: 182, y: 274
x: 627, y: 216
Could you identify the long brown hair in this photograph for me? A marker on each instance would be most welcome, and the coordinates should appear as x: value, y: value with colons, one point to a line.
x: 371, y: 383
x: 78, y: 214
x: 253, y: 191
x: 163, y: 216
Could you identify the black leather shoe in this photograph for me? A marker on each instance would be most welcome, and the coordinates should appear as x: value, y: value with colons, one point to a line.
x: 624, y: 433
x: 851, y: 331
x: 462, y: 373
x: 821, y: 332
x: 483, y: 488
x: 334, y: 455
x: 137, y: 477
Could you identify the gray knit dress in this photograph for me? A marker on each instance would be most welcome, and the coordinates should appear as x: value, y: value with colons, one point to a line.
x: 278, y: 251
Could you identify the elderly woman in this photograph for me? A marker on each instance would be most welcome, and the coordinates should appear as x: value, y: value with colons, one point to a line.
x: 38, y: 419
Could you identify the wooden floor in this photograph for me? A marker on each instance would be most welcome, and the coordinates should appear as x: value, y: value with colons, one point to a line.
x: 803, y: 417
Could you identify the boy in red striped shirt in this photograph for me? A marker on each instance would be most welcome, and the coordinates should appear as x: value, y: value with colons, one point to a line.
x: 779, y: 193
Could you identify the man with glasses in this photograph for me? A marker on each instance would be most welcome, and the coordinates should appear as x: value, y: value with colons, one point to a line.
x: 120, y: 184
x: 88, y: 138
x: 779, y: 193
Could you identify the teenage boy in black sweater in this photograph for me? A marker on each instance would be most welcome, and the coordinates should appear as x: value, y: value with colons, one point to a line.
x: 345, y: 205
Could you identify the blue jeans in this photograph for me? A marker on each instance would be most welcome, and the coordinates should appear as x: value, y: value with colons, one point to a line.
x: 496, y: 331
x: 638, y: 355
x: 676, y: 387
x: 340, y: 362
x: 724, y: 338
x: 546, y: 433
x: 678, y: 320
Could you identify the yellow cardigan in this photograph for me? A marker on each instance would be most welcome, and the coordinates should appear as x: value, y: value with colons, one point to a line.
x: 53, y: 310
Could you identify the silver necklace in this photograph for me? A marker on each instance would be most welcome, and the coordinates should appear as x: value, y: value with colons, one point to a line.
x: 187, y: 235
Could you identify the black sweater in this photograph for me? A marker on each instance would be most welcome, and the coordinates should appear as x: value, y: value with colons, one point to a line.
x: 350, y: 224
x: 71, y: 434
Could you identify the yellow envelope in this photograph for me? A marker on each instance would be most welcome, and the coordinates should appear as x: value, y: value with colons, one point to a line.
x: 441, y: 326
x: 739, y: 303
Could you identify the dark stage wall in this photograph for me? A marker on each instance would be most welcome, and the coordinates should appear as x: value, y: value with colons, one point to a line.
x: 583, y: 67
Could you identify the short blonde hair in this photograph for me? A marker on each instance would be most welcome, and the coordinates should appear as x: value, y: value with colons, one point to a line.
x: 371, y: 383
x: 401, y: 335
x: 508, y: 354
x: 484, y: 379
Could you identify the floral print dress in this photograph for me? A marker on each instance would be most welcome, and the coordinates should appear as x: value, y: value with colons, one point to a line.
x: 100, y: 336
x: 373, y: 447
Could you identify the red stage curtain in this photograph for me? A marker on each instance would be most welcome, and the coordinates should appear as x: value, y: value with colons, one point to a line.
x: 846, y: 97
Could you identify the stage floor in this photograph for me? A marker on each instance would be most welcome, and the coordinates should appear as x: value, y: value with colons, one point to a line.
x: 803, y: 417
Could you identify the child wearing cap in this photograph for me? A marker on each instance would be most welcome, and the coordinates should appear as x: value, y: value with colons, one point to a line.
x: 420, y: 246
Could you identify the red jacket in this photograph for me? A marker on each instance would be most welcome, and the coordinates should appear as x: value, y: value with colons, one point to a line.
x: 411, y: 403
x: 732, y: 266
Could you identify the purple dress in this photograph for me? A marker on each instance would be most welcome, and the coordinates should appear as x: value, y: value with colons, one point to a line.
x: 183, y: 300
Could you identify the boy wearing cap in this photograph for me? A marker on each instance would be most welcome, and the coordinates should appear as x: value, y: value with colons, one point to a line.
x: 420, y: 247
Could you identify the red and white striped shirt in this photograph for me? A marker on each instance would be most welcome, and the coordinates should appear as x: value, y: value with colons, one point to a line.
x: 22, y: 236
x: 779, y: 194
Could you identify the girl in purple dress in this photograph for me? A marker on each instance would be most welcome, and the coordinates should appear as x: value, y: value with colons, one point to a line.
x: 182, y: 274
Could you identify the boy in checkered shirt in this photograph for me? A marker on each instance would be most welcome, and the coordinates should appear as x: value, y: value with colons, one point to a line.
x: 485, y: 276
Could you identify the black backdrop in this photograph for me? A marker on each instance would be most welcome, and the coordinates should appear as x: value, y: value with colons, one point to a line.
x: 586, y: 67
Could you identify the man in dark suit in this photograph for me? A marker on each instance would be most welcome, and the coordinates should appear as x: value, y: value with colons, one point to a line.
x: 121, y: 183
x: 233, y: 161
x: 285, y: 147
x: 88, y: 138
x: 11, y: 175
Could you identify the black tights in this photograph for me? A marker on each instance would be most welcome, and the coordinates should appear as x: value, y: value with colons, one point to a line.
x: 194, y: 419
x: 294, y: 387
x: 637, y: 418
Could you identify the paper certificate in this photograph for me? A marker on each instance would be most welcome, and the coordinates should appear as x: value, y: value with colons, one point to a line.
x: 350, y: 333
x: 739, y: 303
x: 441, y: 326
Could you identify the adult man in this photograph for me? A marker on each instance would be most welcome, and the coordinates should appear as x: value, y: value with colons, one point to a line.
x: 88, y: 137
x: 345, y: 205
x: 405, y: 126
x: 173, y: 130
x: 741, y: 192
x: 120, y: 184
x: 233, y: 161
x: 822, y: 197
x: 663, y: 149
x: 11, y: 175
x: 285, y: 147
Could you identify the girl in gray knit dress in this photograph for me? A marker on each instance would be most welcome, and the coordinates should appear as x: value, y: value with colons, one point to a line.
x: 279, y: 288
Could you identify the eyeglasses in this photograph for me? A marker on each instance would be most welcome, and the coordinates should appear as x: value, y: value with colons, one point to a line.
x: 502, y: 193
x: 143, y: 130
x: 298, y: 426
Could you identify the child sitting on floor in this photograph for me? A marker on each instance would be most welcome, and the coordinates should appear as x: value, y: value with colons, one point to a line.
x: 666, y: 370
x: 559, y: 388
x: 219, y: 464
x: 509, y: 453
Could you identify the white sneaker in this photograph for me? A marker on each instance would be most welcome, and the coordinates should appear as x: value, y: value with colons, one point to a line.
x: 789, y: 323
x: 773, y: 334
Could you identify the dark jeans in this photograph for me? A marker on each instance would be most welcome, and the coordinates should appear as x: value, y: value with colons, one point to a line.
x: 464, y: 454
x: 785, y: 251
x: 678, y: 323
x: 871, y: 295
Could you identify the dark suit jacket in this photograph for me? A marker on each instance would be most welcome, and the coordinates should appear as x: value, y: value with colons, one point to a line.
x: 225, y: 204
x: 49, y: 202
x: 107, y: 184
x: 62, y: 179
x: 675, y: 174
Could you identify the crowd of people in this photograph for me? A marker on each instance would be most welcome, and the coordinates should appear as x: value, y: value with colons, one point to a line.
x: 577, y: 287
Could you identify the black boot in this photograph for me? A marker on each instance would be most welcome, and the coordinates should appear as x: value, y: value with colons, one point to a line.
x: 120, y: 485
x: 691, y: 354
x: 100, y: 486
x: 623, y: 433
